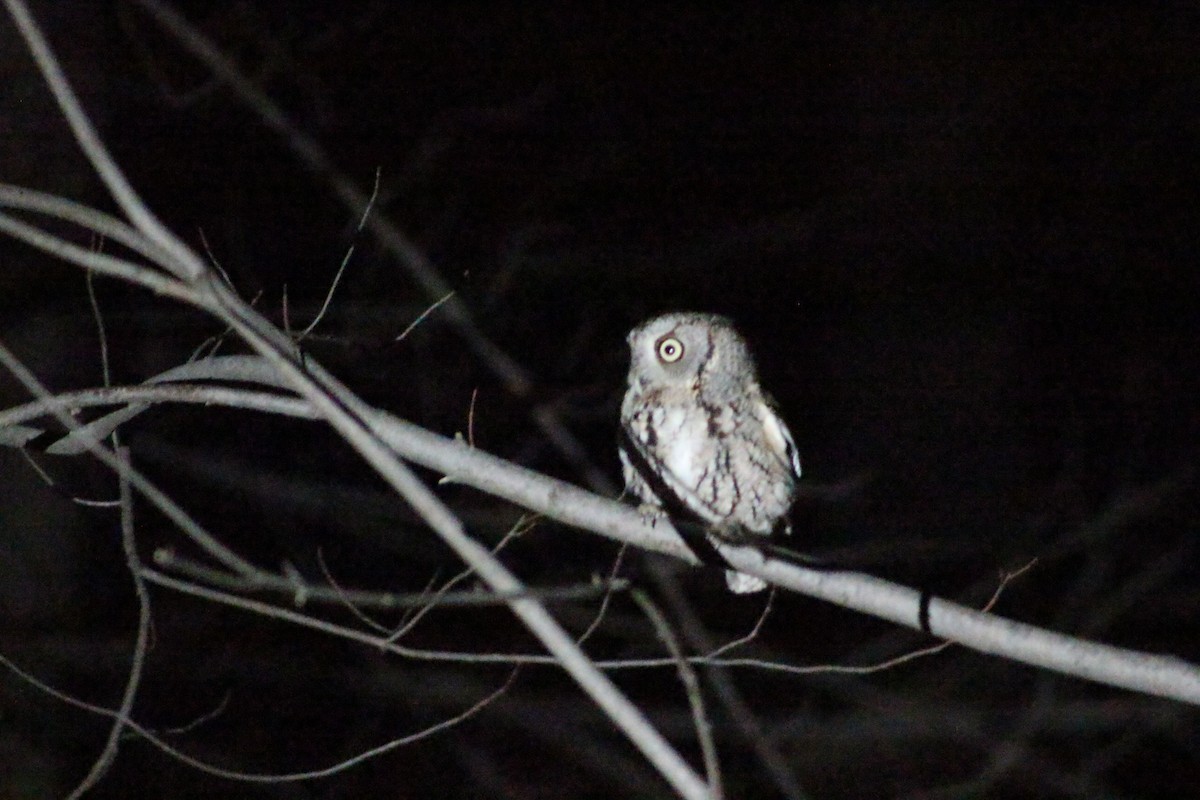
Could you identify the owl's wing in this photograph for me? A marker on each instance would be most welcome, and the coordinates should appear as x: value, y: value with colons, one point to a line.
x: 778, y: 437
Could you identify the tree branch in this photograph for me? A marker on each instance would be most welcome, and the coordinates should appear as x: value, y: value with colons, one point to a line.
x: 1164, y: 676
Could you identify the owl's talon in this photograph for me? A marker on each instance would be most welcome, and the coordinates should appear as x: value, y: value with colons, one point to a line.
x: 732, y: 533
x: 651, y: 513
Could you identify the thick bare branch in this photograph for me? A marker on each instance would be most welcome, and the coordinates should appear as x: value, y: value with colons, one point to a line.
x: 1164, y: 676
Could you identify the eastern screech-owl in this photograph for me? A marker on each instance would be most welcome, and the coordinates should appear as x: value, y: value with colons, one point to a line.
x: 704, y: 433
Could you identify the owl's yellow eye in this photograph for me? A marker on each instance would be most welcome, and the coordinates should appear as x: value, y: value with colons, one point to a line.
x: 670, y: 350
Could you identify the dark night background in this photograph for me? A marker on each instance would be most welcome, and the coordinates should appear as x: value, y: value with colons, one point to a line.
x: 961, y: 240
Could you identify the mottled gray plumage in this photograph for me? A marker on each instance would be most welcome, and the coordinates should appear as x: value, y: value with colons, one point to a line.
x: 703, y: 426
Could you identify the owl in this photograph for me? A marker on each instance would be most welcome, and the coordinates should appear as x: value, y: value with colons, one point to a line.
x: 700, y: 436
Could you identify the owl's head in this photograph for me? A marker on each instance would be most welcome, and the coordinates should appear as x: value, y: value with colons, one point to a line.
x: 677, y: 348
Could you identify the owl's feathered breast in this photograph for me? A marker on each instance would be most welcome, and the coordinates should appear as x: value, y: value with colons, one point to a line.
x: 714, y: 457
x: 673, y: 434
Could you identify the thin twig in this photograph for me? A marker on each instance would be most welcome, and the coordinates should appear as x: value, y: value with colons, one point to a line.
x: 121, y: 719
x: 249, y: 777
x: 754, y: 631
x: 421, y: 318
x: 213, y: 261
x: 337, y: 278
x: 203, y: 719
x: 613, y: 584
x: 380, y: 643
x: 691, y: 687
x: 101, y: 334
x: 471, y: 418
x: 357, y: 599
x: 435, y: 600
